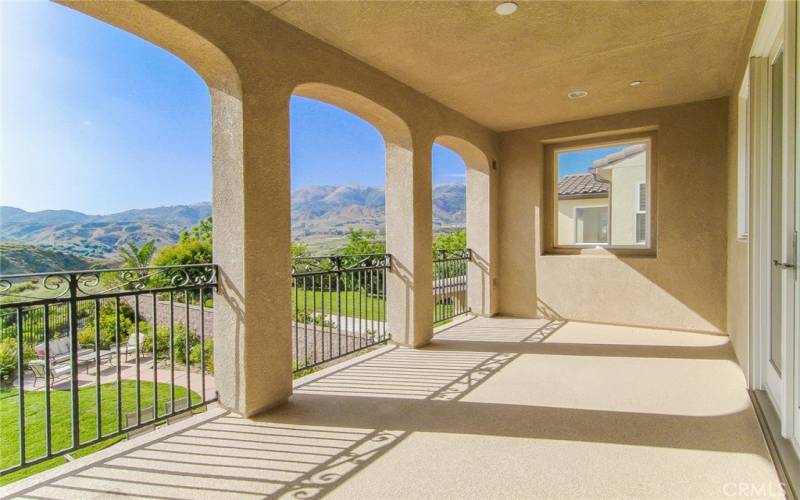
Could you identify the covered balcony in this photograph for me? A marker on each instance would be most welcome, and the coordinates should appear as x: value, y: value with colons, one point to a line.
x: 608, y: 339
x: 491, y: 408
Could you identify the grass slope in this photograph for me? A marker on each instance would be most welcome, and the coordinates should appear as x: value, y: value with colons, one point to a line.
x: 60, y: 404
x: 17, y: 258
x: 353, y: 304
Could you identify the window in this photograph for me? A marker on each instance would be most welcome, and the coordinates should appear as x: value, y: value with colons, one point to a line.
x: 743, y: 166
x: 601, y: 194
x: 591, y: 225
x: 641, y: 212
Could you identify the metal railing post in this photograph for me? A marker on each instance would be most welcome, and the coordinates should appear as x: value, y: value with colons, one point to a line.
x: 73, y: 350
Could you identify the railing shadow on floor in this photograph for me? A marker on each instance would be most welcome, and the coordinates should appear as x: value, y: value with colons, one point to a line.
x: 339, y: 423
x: 236, y: 456
x: 228, y: 456
x: 427, y: 373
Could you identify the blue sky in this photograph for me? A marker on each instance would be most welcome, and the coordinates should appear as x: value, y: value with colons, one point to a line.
x: 97, y: 120
x: 579, y: 162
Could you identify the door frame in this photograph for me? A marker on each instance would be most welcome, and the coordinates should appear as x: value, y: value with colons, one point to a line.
x: 777, y: 27
x: 791, y: 423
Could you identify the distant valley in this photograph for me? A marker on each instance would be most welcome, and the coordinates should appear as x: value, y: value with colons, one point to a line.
x: 98, y: 236
x: 321, y: 216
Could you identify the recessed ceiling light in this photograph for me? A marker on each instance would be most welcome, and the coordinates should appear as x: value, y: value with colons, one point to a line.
x: 506, y: 8
x: 577, y: 94
x: 635, y: 83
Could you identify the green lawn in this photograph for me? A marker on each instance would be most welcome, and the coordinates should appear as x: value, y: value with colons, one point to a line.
x: 61, y: 433
x: 354, y: 304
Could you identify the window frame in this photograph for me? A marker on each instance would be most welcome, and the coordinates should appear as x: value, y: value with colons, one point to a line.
x: 639, y: 211
x: 575, y: 218
x: 552, y: 148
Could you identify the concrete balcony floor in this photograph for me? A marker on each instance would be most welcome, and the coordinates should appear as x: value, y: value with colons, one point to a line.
x: 493, y: 408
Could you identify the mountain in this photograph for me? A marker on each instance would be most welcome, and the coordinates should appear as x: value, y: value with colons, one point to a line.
x: 17, y: 259
x: 329, y: 211
x: 98, y: 235
x: 319, y: 214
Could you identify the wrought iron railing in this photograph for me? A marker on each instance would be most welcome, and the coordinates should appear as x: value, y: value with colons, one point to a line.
x: 338, y: 306
x: 450, y: 284
x: 138, y: 329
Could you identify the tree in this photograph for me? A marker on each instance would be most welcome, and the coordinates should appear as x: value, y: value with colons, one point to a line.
x: 360, y: 241
x: 299, y: 249
x: 455, y: 240
x: 186, y: 251
x: 134, y: 256
x: 203, y: 230
x: 193, y: 247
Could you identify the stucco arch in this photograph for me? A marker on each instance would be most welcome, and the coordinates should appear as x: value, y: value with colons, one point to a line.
x: 390, y: 125
x: 473, y: 156
x: 408, y: 206
x: 228, y: 171
x: 205, y: 58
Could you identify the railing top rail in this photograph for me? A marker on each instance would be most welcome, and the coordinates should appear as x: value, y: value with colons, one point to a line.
x: 61, y: 286
x: 102, y: 270
x: 460, y: 253
x: 342, y: 256
x: 307, y: 266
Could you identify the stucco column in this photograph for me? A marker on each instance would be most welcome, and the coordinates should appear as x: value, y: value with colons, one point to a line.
x: 409, y: 238
x: 252, y: 235
x: 482, y: 239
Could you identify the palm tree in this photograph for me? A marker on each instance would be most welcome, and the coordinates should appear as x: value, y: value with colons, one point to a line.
x: 134, y: 256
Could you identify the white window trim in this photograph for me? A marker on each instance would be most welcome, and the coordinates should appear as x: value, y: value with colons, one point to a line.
x: 647, y: 245
x: 639, y: 211
x: 575, y: 223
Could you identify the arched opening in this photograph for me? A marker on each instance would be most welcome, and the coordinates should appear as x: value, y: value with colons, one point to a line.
x: 450, y: 254
x: 462, y: 271
x: 118, y: 132
x: 344, y: 148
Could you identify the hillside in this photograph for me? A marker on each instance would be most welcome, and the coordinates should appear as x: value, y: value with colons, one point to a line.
x: 98, y: 235
x: 323, y: 212
x: 16, y: 259
x: 320, y: 215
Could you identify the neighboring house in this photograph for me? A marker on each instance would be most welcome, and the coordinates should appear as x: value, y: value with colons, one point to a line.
x: 585, y: 215
x: 582, y: 210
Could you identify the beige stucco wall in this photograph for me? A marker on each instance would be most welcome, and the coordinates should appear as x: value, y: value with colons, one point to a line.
x: 737, y: 289
x: 253, y: 62
x: 683, y: 286
x: 566, y: 216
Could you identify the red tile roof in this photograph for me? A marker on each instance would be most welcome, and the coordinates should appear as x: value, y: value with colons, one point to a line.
x: 581, y: 186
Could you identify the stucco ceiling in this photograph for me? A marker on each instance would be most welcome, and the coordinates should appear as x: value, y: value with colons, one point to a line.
x: 515, y: 71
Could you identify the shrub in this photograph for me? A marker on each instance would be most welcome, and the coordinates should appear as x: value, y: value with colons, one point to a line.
x: 312, y: 319
x: 194, y: 357
x: 179, y: 338
x: 108, y: 323
x: 8, y: 360
x: 162, y: 341
x: 179, y: 346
